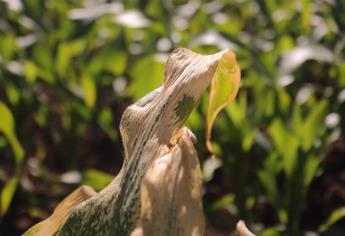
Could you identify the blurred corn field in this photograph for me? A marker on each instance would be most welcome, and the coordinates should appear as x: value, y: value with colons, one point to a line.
x: 68, y: 69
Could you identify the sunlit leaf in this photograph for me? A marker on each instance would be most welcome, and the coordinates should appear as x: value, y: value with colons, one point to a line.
x: 224, y: 87
x: 311, y: 166
x: 267, y: 178
x: 143, y: 84
x: 306, y: 14
x: 7, y: 46
x: 270, y: 185
x: 237, y: 111
x: 96, y: 179
x: 8, y: 129
x: 247, y: 139
x: 296, y: 57
x: 283, y: 100
x: 312, y: 125
x: 111, y: 60
x: 270, y: 232
x: 42, y: 56
x: 224, y: 201
x: 66, y: 52
x: 30, y: 71
x: 283, y: 138
x: 89, y: 89
x: 93, y: 12
x: 7, y: 194
x: 13, y: 93
x: 297, y: 117
x: 333, y: 218
x: 132, y: 19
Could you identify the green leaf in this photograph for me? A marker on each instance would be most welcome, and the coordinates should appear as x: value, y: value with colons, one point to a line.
x: 297, y: 117
x: 105, y: 120
x: 224, y: 201
x: 7, y: 46
x: 89, y: 88
x: 6, y: 124
x: 224, y: 87
x: 313, y: 124
x: 7, y: 194
x: 66, y: 52
x: 13, y: 93
x: 268, y: 181
x: 286, y: 143
x: 306, y: 14
x: 279, y: 134
x: 270, y: 232
x: 30, y: 72
x: 248, y: 138
x: 146, y: 75
x: 332, y: 219
x: 311, y: 165
x: 283, y: 100
x: 111, y: 60
x: 96, y: 179
x: 42, y: 56
x: 8, y: 129
x: 237, y: 111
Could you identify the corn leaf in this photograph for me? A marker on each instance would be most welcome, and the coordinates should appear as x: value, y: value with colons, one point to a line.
x: 7, y: 127
x: 224, y: 87
x: 333, y: 218
x: 96, y: 179
x: 7, y: 195
x: 141, y: 85
x: 89, y: 89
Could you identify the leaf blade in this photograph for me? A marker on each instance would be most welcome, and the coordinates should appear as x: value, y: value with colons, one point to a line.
x: 224, y: 87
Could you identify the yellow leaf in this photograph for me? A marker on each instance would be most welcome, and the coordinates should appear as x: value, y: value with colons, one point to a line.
x: 224, y: 87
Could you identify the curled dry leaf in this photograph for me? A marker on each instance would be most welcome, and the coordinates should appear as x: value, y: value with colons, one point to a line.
x: 224, y: 87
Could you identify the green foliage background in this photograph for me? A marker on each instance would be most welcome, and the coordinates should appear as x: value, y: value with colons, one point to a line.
x: 69, y: 68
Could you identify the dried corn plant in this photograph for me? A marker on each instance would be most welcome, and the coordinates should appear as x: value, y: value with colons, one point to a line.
x: 158, y: 190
